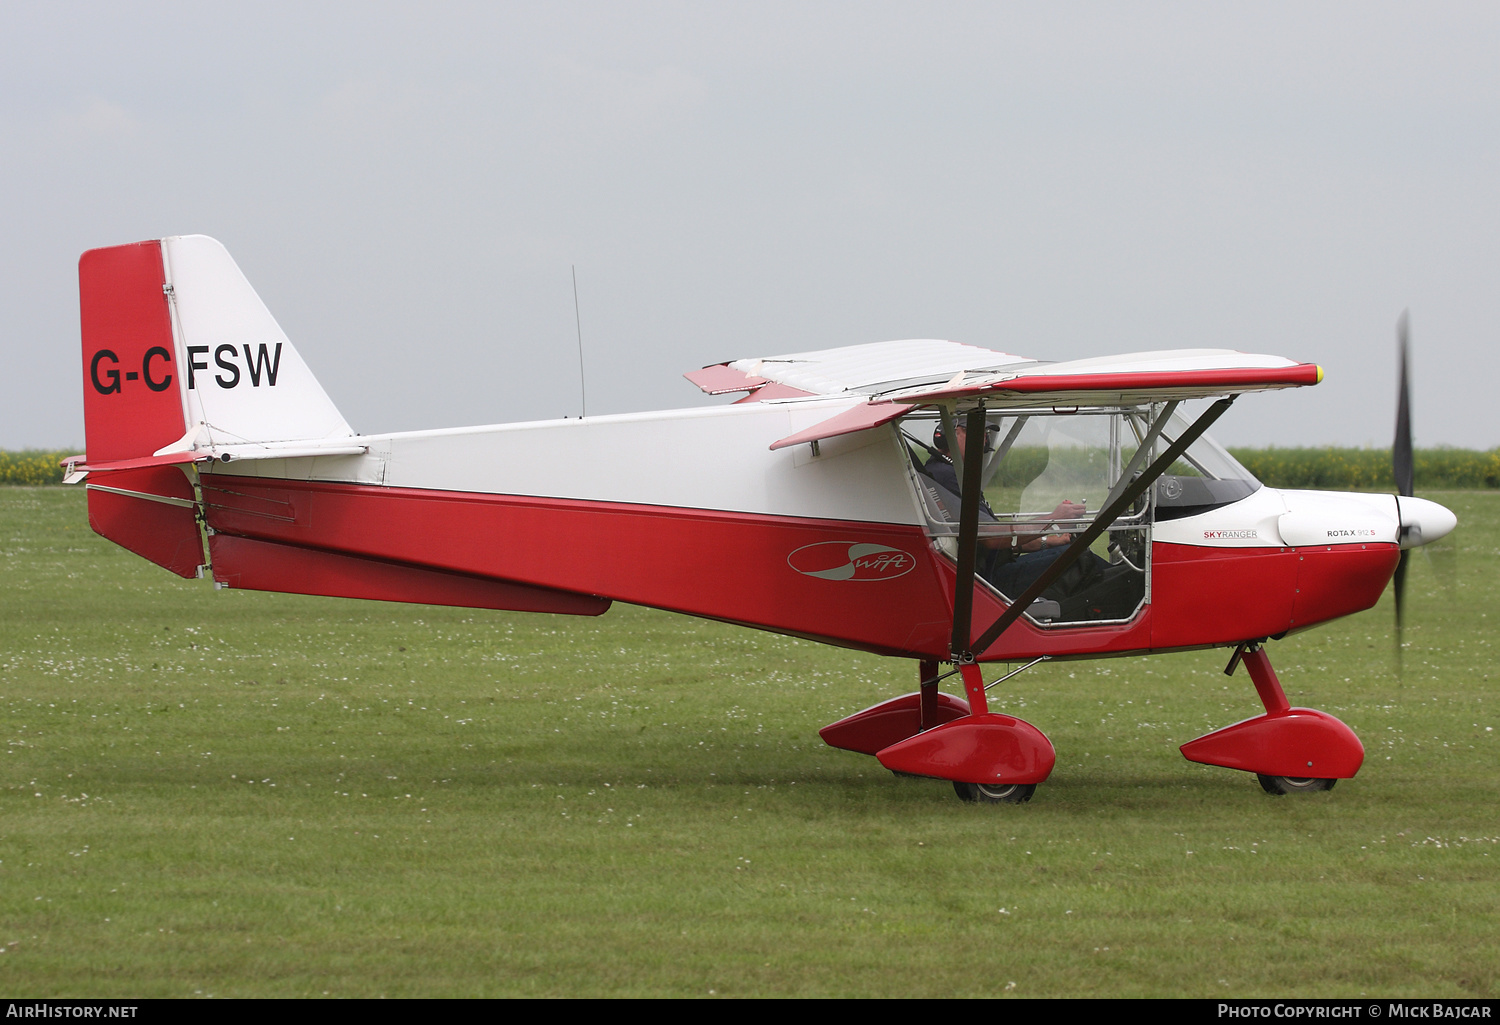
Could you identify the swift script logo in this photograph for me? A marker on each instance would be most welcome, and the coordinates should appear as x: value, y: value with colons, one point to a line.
x: 844, y: 560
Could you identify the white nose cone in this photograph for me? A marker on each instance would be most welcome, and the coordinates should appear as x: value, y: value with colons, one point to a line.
x: 1423, y: 522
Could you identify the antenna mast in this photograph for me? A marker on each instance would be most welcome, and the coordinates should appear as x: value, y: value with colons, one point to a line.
x: 578, y: 321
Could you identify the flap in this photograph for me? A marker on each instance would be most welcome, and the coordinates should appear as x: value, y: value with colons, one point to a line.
x: 861, y: 418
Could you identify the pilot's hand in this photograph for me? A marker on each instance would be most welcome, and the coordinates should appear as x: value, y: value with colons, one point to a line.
x: 1070, y: 510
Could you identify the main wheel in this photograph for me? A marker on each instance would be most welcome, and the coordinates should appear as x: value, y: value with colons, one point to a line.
x: 995, y: 793
x: 1293, y: 784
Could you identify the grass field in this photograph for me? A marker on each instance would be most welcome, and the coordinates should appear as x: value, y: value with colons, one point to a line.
x: 242, y: 794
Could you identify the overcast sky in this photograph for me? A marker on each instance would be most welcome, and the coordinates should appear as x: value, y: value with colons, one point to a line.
x: 408, y: 185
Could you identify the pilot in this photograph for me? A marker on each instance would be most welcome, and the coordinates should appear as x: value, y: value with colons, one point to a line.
x: 1010, y: 563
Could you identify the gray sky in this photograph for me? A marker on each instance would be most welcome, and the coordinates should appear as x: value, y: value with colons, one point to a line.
x: 407, y: 186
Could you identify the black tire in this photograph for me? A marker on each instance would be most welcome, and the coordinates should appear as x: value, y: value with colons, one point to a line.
x: 995, y: 793
x: 1279, y: 785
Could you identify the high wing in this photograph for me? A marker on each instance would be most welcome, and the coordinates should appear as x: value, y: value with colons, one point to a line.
x: 864, y: 370
x: 894, y: 377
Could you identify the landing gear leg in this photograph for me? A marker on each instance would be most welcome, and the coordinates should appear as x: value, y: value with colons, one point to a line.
x: 1290, y: 750
x: 927, y: 673
x: 1274, y: 698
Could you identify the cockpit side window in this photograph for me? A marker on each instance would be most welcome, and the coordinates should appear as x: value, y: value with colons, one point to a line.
x: 1045, y: 476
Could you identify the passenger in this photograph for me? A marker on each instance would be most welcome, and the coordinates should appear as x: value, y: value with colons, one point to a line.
x: 1013, y: 563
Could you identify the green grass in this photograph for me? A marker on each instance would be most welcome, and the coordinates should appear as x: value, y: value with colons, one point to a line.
x: 241, y: 794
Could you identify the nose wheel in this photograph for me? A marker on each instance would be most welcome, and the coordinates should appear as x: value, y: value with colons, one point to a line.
x: 994, y: 793
x: 1293, y: 784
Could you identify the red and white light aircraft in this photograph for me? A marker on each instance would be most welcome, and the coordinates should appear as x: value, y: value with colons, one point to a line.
x: 1080, y: 514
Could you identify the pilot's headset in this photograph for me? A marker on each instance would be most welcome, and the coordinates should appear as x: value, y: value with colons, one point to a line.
x: 940, y: 440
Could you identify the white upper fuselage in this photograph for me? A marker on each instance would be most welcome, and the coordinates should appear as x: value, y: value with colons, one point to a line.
x: 719, y: 458
x: 714, y: 458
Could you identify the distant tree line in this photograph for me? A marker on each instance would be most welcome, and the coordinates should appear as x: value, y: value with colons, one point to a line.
x: 32, y: 466
x: 1367, y: 469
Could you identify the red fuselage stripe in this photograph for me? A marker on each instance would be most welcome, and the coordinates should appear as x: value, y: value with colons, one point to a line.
x: 880, y: 587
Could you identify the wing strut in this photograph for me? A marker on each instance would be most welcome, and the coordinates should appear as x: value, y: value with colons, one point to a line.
x: 1080, y: 543
x: 1003, y: 449
x: 971, y: 462
x: 1142, y: 451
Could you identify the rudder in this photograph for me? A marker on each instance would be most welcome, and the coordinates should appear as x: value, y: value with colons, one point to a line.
x: 133, y: 406
x: 183, y: 363
x: 132, y: 397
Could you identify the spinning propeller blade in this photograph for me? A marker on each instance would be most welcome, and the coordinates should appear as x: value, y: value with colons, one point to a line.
x: 1401, y: 457
x: 1402, y: 465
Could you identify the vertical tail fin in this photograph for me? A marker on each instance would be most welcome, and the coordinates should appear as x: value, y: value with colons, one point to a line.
x: 182, y: 362
x: 243, y: 380
x: 180, y: 355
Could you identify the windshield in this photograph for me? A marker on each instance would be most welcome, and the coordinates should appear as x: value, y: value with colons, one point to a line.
x: 1036, y: 459
x: 1205, y: 478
